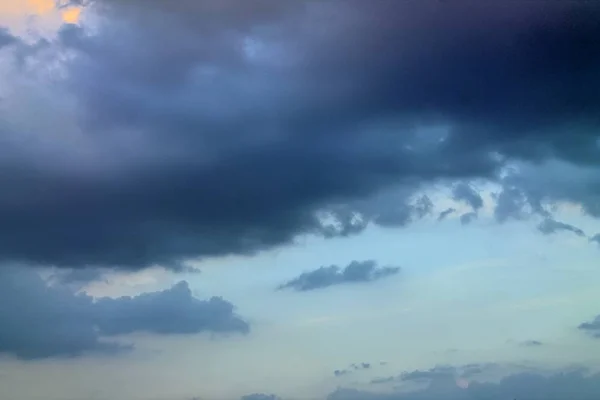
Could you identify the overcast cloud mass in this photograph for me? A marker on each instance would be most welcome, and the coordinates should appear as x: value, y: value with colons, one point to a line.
x: 210, y: 130
x: 144, y: 141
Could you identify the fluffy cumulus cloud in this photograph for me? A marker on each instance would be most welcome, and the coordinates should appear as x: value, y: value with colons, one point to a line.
x: 355, y: 272
x: 207, y: 128
x: 53, y: 321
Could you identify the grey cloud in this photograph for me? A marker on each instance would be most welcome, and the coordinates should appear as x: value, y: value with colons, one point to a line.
x: 532, y: 343
x: 355, y: 272
x: 433, y: 373
x: 592, y: 327
x: 53, y: 321
x: 595, y: 238
x: 445, y: 213
x: 259, y: 396
x: 574, y: 385
x: 467, y: 194
x: 467, y: 218
x: 78, y: 276
x: 208, y: 133
x: 550, y: 226
x: 511, y: 202
x: 6, y: 38
x: 353, y: 367
x: 379, y: 381
x: 440, y: 372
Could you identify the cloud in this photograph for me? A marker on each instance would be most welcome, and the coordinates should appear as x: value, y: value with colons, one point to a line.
x: 355, y: 272
x: 467, y: 218
x: 574, y: 385
x: 213, y: 128
x: 550, y: 226
x: 436, y: 373
x: 595, y: 238
x: 531, y: 343
x: 6, y: 38
x: 352, y: 368
x: 465, y: 193
x: 259, y: 396
x: 53, y: 321
x: 592, y: 327
x: 445, y: 213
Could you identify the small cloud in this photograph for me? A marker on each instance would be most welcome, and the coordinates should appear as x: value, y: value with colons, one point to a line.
x: 595, y: 238
x: 467, y: 194
x: 445, y: 213
x: 260, y: 396
x: 355, y: 272
x: 380, y: 381
x: 351, y: 368
x: 592, y: 327
x: 467, y: 218
x: 531, y: 343
x: 550, y: 226
x: 341, y: 372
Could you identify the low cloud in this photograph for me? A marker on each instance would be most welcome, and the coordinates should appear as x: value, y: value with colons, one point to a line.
x: 352, y: 368
x: 575, y: 385
x: 259, y: 396
x: 531, y: 343
x: 53, y: 321
x: 550, y: 226
x: 467, y: 194
x: 446, y: 213
x: 439, y: 372
x: 355, y: 272
x: 592, y: 327
x: 467, y: 218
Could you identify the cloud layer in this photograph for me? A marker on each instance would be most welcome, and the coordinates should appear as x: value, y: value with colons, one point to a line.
x: 575, y: 385
x: 212, y: 128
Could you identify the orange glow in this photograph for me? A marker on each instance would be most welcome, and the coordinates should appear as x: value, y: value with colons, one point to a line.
x: 71, y: 15
x: 41, y: 7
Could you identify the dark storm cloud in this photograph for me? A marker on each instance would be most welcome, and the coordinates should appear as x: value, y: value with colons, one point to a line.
x: 550, y: 226
x: 220, y: 127
x: 567, y: 385
x: 53, y: 321
x: 355, y: 272
x: 467, y: 194
x: 592, y: 327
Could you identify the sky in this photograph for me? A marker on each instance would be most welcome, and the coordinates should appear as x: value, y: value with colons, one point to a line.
x: 299, y: 200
